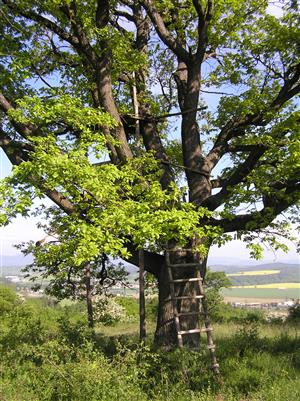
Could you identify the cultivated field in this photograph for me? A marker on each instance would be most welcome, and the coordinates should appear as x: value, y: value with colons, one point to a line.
x: 271, y: 293
x: 254, y: 273
x: 280, y: 286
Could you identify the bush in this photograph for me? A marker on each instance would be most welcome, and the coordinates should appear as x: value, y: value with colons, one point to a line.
x: 22, y: 326
x: 8, y: 299
x: 131, y: 306
x: 225, y: 313
x: 53, y: 356
x: 294, y: 313
x: 107, y: 311
x: 66, y: 373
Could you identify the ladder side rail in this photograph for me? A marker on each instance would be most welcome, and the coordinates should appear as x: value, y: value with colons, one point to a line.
x: 174, y: 301
x: 210, y: 343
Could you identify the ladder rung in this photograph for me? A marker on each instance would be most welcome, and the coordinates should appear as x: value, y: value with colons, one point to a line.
x: 189, y: 297
x: 193, y: 331
x: 189, y: 331
x: 180, y: 250
x: 206, y: 330
x: 183, y: 280
x: 189, y: 313
x: 185, y: 264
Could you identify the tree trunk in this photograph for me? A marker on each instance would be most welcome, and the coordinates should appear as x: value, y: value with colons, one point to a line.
x: 165, y: 334
x: 142, y: 296
x: 88, y: 295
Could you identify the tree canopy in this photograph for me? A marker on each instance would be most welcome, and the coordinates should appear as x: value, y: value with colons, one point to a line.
x: 115, y: 109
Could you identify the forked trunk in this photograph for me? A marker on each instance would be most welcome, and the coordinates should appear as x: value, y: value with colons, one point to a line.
x: 166, y: 334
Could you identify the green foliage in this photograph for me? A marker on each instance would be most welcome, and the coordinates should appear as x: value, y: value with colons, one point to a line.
x: 8, y: 300
x: 107, y: 311
x: 294, y: 312
x: 225, y: 313
x: 130, y: 305
x: 255, y: 52
x: 118, y: 202
x: 214, y: 282
x: 55, y: 129
x: 64, y: 361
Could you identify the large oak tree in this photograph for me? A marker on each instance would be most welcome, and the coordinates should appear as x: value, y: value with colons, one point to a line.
x: 190, y: 93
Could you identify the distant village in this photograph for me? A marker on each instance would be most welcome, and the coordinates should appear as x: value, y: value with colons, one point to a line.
x: 266, y: 305
x: 23, y: 286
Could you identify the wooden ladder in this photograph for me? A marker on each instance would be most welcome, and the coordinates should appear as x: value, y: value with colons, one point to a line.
x: 202, y: 312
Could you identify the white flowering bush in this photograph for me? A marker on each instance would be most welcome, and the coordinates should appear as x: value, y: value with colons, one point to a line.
x: 107, y: 311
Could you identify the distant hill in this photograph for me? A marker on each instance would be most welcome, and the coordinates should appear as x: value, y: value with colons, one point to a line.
x: 13, y: 264
x: 288, y: 273
x: 241, y: 267
x: 16, y: 260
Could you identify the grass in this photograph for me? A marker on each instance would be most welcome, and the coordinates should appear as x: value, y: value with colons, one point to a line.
x: 48, y: 354
x: 225, y: 331
x: 121, y: 329
x: 254, y: 273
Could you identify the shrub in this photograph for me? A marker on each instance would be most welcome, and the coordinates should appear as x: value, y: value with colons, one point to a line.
x: 107, y: 311
x: 294, y: 313
x: 22, y: 326
x: 225, y: 313
x: 130, y: 305
x: 8, y: 299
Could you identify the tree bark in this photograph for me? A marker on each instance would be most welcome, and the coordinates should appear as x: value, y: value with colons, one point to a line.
x: 88, y: 295
x: 142, y: 296
x: 165, y: 335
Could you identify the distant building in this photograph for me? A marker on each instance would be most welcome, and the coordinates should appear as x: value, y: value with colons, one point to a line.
x: 13, y: 279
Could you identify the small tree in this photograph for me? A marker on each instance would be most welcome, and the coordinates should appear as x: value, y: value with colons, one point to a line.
x: 66, y: 280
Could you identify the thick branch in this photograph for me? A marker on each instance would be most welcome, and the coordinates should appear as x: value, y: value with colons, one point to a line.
x: 125, y: 14
x: 102, y: 13
x: 162, y: 31
x: 153, y: 261
x: 44, y: 21
x: 17, y: 153
x: 203, y: 20
x: 25, y: 130
x: 236, y: 127
x: 214, y: 201
x: 261, y: 219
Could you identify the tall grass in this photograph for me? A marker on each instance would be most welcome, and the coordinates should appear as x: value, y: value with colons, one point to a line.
x: 47, y: 354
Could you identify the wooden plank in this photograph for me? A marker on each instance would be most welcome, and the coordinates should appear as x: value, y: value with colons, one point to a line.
x: 186, y: 280
x: 190, y: 297
x: 185, y: 264
x: 207, y: 330
x: 192, y: 331
x: 189, y: 313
